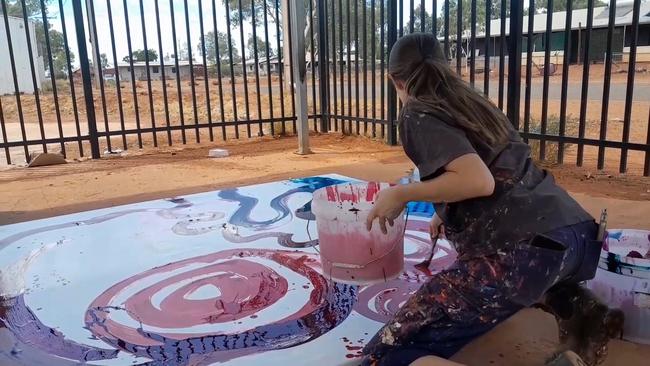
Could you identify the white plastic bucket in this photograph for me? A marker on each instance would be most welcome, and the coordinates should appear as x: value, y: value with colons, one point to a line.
x: 349, y: 252
x: 623, y: 280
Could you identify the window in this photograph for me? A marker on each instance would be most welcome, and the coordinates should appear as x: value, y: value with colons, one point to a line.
x: 155, y: 70
x: 173, y: 70
x: 128, y: 69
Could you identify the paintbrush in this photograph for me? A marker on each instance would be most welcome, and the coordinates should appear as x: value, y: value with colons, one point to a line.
x: 434, y: 243
x: 602, y: 225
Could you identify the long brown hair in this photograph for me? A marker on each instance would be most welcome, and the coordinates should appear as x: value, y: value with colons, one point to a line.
x: 418, y: 62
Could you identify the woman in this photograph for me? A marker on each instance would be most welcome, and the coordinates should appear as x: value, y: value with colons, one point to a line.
x: 516, y: 232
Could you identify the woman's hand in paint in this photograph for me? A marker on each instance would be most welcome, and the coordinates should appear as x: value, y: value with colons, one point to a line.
x: 436, y: 227
x: 388, y: 206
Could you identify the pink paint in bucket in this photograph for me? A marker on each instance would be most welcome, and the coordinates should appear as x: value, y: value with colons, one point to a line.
x: 623, y: 280
x: 349, y: 252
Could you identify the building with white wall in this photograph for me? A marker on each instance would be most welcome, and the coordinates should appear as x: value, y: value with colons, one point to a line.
x: 21, y: 58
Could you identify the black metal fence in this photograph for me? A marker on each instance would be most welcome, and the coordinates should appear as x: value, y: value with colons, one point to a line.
x: 138, y: 73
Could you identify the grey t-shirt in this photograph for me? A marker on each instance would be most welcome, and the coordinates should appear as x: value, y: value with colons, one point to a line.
x: 526, y: 201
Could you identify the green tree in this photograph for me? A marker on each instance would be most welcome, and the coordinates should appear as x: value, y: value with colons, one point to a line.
x: 59, y: 60
x: 222, y: 43
x: 104, y: 61
x: 261, y: 47
x: 142, y: 55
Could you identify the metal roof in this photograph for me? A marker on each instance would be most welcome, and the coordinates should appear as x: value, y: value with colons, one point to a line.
x: 578, y: 19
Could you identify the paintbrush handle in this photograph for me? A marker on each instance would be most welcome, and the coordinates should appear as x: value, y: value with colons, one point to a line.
x: 602, y: 225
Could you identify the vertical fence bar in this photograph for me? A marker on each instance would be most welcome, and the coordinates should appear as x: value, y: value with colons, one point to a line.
x: 217, y: 56
x: 629, y: 95
x: 118, y: 89
x: 606, y: 83
x: 459, y: 37
x: 232, y: 67
x: 133, y: 80
x: 206, y: 79
x: 423, y: 17
x: 373, y: 68
x: 411, y: 16
x: 349, y: 67
x: 268, y: 64
x: 334, y: 62
x: 646, y: 165
x: 530, y: 40
x: 148, y: 73
x: 323, y: 77
x: 291, y: 75
x: 73, y: 95
x: 3, y: 129
x: 257, y: 69
x: 195, y: 111
x: 87, y: 80
x: 382, y: 75
x: 341, y: 63
x: 50, y: 64
x: 514, y: 62
x: 446, y: 30
x: 178, y: 73
x: 392, y: 94
x: 502, y: 51
x: 565, y: 79
x: 162, y: 73
x: 244, y: 71
x: 585, y: 80
x: 32, y: 69
x: 297, y: 30
x: 312, y: 60
x: 545, y: 85
x: 281, y: 70
x: 365, y: 65
x: 434, y: 17
x: 401, y: 18
x: 356, y: 64
x: 472, y: 53
x: 99, y: 69
x: 334, y: 89
x: 487, y: 66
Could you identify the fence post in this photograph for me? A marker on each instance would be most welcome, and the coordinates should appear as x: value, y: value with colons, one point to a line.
x: 299, y: 69
x: 392, y: 93
x: 514, y: 61
x: 86, y: 77
x: 323, y: 69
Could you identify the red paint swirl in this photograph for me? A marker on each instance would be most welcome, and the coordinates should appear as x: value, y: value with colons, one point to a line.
x: 169, y: 298
x: 380, y: 301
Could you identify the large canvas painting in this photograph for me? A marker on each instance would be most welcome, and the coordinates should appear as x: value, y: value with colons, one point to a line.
x: 230, y: 276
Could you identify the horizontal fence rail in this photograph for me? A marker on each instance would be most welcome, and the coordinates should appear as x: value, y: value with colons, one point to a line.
x: 572, y: 76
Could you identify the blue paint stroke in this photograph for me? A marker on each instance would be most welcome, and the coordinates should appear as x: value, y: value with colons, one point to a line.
x: 241, y: 217
x: 27, y: 328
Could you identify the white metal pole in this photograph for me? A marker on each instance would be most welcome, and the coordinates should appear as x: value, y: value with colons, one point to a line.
x: 299, y: 69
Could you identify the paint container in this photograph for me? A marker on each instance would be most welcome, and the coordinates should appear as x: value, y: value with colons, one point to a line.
x: 349, y: 252
x: 623, y: 280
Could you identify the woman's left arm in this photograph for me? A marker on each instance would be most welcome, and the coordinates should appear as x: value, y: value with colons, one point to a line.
x: 465, y: 177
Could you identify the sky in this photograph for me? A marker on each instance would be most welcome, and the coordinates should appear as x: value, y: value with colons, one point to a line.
x: 133, y: 9
x: 135, y: 25
x: 103, y: 33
